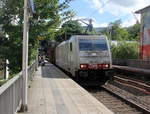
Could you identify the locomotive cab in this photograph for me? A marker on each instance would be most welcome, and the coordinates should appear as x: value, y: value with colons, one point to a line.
x: 94, y: 57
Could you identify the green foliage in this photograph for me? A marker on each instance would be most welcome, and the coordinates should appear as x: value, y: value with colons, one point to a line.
x: 125, y: 50
x: 116, y: 32
x: 49, y: 13
x: 134, y: 32
x: 69, y: 28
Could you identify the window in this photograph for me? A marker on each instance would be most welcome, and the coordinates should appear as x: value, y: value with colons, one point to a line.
x: 92, y: 45
x: 85, y: 45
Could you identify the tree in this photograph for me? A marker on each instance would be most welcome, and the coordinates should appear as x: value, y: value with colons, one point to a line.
x: 117, y: 32
x: 69, y: 28
x: 114, y: 31
x: 134, y: 32
x: 124, y: 49
x: 50, y: 18
x: 50, y: 13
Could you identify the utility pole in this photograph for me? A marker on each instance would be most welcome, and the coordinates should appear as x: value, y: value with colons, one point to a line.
x: 110, y: 28
x: 110, y: 33
x: 25, y: 55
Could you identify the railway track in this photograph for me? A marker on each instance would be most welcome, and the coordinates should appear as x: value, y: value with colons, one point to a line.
x: 134, y: 83
x: 117, y: 105
x: 122, y: 103
x: 114, y: 102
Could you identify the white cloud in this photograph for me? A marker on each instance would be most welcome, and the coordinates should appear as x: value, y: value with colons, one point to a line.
x: 97, y: 24
x: 100, y: 24
x: 131, y: 20
x: 125, y: 3
x: 128, y: 22
x: 97, y: 5
x: 119, y: 8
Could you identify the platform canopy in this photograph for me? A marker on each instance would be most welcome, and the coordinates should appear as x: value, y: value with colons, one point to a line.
x: 143, y: 10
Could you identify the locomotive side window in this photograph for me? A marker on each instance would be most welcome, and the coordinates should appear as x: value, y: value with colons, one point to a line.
x: 70, y: 46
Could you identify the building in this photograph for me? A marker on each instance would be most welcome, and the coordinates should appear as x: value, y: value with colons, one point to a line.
x: 145, y: 32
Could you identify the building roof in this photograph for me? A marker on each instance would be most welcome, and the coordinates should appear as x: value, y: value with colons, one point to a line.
x: 143, y: 10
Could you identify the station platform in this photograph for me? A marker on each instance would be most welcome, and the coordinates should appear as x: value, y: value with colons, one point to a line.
x: 52, y: 92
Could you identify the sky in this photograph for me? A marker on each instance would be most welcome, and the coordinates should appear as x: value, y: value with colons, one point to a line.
x: 105, y: 11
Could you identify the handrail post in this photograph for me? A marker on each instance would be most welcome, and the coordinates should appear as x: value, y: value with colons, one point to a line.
x: 6, y: 75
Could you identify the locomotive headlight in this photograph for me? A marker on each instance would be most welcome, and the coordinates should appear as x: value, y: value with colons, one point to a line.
x: 105, y: 66
x: 84, y: 66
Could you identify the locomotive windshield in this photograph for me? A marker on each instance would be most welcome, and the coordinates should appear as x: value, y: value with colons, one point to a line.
x: 93, y: 45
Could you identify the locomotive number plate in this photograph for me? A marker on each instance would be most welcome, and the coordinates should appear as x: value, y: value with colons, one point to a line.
x: 93, y: 66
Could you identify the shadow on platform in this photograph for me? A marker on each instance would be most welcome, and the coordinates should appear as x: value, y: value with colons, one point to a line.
x: 51, y: 71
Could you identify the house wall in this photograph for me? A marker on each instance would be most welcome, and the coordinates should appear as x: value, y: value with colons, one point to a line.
x: 145, y: 35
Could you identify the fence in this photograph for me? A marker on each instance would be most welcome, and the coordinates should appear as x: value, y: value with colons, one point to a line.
x: 2, y: 69
x: 121, y: 62
x: 145, y: 64
x: 11, y: 92
x: 31, y: 69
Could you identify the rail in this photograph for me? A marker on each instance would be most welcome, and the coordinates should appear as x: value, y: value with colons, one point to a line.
x: 11, y: 92
x: 133, y: 83
x: 131, y: 102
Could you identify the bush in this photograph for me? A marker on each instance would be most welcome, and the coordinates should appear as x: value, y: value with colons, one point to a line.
x: 125, y: 50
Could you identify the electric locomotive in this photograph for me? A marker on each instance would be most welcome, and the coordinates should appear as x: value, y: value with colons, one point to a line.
x: 85, y: 56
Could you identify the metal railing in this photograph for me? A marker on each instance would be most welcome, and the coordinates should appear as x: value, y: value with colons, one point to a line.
x: 2, y: 69
x: 145, y: 64
x: 11, y: 92
x: 31, y: 69
x: 121, y: 62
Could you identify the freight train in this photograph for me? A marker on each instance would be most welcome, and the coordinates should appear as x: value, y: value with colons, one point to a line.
x: 85, y: 56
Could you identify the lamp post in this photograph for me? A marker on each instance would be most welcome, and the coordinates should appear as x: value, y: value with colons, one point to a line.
x: 28, y: 11
x: 25, y: 55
